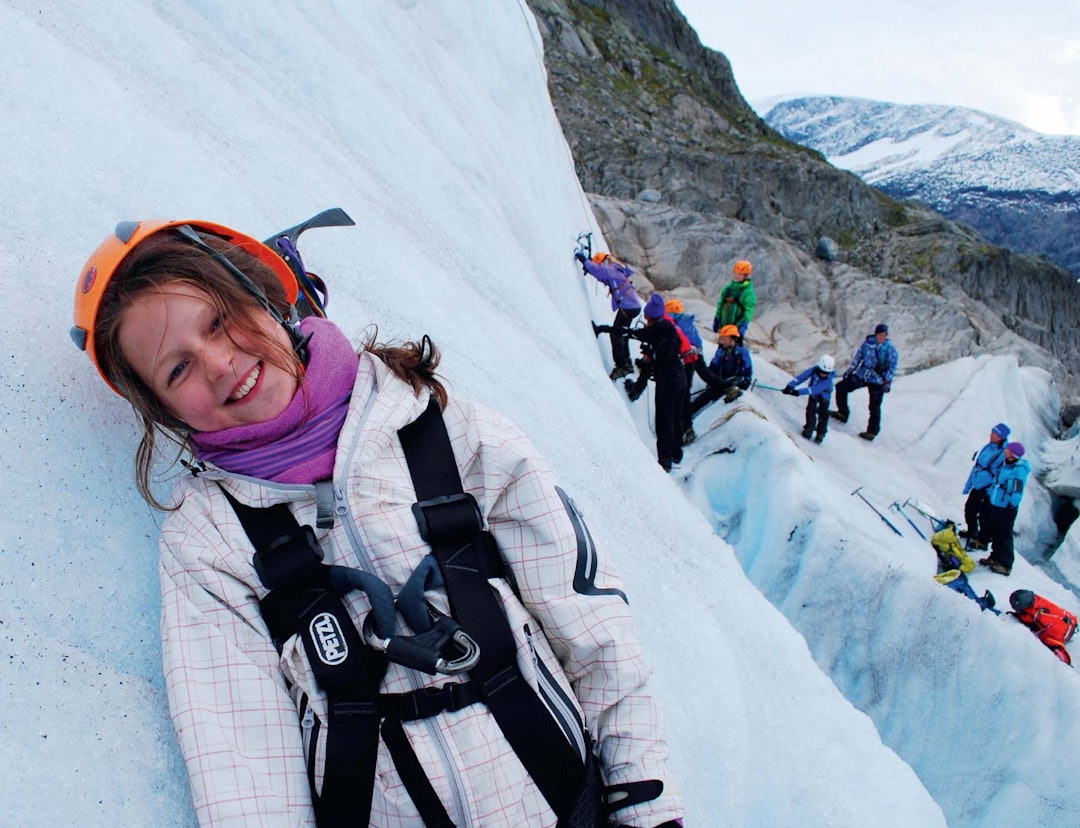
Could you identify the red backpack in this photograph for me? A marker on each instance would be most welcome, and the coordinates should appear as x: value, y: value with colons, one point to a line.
x: 1052, y: 625
x: 687, y: 352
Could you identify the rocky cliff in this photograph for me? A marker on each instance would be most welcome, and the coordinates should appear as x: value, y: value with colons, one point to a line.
x: 685, y: 178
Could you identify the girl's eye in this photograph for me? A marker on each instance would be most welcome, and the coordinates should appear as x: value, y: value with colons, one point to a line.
x: 216, y: 324
x: 174, y: 375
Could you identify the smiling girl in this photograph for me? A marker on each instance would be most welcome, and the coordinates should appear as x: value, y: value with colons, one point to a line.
x: 193, y: 323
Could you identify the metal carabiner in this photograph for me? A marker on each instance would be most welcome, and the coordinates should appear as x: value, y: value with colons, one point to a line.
x: 424, y: 651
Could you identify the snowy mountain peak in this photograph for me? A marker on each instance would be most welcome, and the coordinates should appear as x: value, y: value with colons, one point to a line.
x: 1019, y: 188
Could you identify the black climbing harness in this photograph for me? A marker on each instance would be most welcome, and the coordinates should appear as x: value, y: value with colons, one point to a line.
x: 305, y: 598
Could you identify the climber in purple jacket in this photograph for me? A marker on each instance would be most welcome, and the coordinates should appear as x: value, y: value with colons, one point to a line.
x: 609, y: 271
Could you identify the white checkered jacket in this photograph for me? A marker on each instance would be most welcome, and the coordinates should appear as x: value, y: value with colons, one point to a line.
x: 234, y: 700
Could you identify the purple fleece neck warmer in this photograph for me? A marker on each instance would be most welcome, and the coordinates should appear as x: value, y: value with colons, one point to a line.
x: 297, y: 446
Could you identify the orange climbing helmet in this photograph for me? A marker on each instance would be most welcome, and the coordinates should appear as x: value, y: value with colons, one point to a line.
x: 674, y: 306
x: 730, y: 330
x: 103, y: 263
x: 600, y: 258
x: 743, y: 267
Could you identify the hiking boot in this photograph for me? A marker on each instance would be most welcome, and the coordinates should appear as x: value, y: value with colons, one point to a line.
x: 988, y: 600
x: 621, y: 370
x: 963, y: 533
x: 975, y: 545
x: 819, y: 439
x: 836, y: 415
x: 665, y: 466
x: 807, y: 433
x: 732, y: 394
x: 995, y: 566
x: 867, y: 435
x: 689, y: 436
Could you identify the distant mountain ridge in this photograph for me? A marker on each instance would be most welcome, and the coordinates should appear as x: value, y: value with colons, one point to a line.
x: 1017, y: 187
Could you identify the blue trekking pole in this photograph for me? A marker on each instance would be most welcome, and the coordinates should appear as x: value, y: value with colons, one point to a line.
x: 896, y: 505
x: 858, y: 492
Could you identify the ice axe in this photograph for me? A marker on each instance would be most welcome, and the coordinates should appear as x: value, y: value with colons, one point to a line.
x: 937, y: 523
x: 584, y: 244
x: 897, y: 505
x: 858, y: 492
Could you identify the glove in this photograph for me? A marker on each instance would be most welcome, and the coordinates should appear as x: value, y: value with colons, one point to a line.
x: 887, y: 386
x: 791, y: 392
x: 579, y: 255
x: 742, y: 330
x: 715, y: 324
x: 633, y: 389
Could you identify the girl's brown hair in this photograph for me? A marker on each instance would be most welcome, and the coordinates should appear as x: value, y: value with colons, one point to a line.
x: 167, y: 258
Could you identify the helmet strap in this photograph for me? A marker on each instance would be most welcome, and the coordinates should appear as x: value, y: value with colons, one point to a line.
x: 290, y: 323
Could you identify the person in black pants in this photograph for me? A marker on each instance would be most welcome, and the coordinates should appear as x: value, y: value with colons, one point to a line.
x: 661, y: 363
x: 818, y: 391
x: 873, y: 368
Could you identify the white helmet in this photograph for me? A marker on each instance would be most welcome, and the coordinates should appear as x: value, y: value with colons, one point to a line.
x: 826, y: 364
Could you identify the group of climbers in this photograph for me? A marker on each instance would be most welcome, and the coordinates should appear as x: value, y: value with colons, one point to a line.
x: 730, y: 371
x: 995, y: 487
x: 672, y: 354
x: 672, y: 349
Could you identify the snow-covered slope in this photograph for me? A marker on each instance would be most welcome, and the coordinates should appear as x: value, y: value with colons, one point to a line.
x: 1007, y: 181
x: 430, y: 123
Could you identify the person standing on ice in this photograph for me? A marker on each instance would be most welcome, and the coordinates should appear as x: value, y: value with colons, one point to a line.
x: 662, y: 362
x: 615, y: 275
x: 818, y: 391
x: 1003, y: 502
x: 692, y: 359
x: 987, y: 462
x: 873, y: 367
x: 323, y: 662
x: 737, y: 300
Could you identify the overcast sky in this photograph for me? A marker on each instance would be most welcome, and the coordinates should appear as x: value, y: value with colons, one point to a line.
x: 1016, y: 59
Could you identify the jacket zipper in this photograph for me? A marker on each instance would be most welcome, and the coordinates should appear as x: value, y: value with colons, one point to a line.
x: 561, y: 709
x: 309, y: 729
x: 457, y: 788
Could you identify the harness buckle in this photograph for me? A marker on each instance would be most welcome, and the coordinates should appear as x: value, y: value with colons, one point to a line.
x: 448, y: 518
x: 425, y: 651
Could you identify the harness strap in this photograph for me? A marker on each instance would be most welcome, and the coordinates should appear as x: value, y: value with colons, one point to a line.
x: 451, y: 522
x: 413, y: 777
x: 288, y: 561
